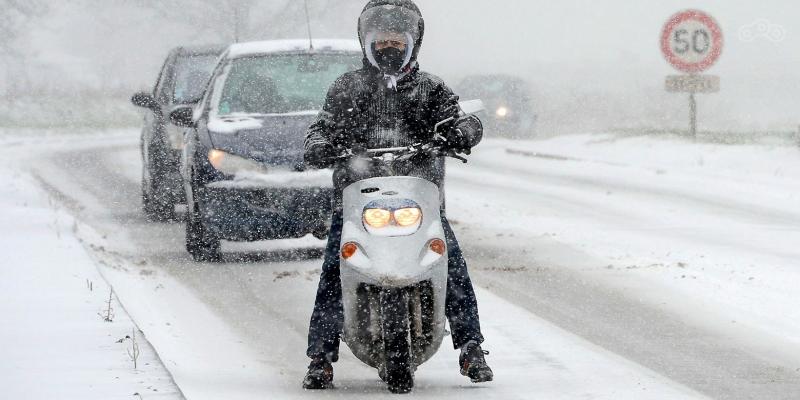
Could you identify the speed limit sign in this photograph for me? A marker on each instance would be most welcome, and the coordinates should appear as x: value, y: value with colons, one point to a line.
x: 691, y: 41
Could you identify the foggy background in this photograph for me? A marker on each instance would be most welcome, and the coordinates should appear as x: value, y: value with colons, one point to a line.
x: 593, y: 65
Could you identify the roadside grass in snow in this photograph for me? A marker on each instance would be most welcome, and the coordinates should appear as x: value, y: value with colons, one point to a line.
x: 60, y: 318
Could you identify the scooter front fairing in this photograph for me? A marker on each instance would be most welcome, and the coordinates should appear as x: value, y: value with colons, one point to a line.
x: 409, y: 258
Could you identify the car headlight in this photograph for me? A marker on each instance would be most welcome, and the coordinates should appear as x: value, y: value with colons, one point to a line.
x: 392, y: 219
x: 502, y: 112
x: 230, y: 164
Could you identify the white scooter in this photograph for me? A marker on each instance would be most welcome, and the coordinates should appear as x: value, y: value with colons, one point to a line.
x: 394, y: 263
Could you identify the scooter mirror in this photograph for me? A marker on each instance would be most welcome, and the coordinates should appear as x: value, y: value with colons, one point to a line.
x: 472, y: 106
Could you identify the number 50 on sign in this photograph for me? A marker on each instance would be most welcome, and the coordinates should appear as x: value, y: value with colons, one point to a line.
x: 691, y: 41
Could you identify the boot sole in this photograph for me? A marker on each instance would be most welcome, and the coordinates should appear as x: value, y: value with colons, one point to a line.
x: 476, y: 378
x: 315, y: 384
x: 326, y: 386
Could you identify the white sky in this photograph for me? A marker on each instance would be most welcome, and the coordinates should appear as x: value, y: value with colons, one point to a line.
x: 593, y: 64
x: 611, y: 47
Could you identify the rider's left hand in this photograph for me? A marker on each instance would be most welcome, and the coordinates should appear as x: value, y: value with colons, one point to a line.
x: 457, y: 141
x: 453, y: 109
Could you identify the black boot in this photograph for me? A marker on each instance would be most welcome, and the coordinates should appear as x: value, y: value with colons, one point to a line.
x: 319, y: 375
x: 473, y: 364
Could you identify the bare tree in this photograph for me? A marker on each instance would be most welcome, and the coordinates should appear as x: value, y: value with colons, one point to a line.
x: 327, y: 17
x: 15, y: 18
x: 227, y: 19
x: 133, y: 351
x: 239, y: 20
x: 108, y: 313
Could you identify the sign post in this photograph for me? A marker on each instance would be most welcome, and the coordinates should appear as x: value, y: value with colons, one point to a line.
x: 691, y: 41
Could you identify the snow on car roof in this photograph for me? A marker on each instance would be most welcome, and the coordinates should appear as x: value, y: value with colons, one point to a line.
x: 275, y: 46
x: 200, y: 50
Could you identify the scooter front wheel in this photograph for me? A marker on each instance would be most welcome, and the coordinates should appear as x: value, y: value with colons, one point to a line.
x: 399, y: 371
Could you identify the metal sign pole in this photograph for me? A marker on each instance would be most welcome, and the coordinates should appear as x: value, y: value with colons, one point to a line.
x: 691, y: 41
x: 692, y: 116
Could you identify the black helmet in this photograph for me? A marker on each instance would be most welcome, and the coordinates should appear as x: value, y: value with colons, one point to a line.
x: 399, y: 20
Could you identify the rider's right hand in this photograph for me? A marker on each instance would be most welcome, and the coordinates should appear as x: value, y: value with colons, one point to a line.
x: 320, y: 155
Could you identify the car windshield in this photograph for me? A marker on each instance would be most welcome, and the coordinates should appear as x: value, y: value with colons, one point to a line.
x: 277, y: 84
x: 191, y: 75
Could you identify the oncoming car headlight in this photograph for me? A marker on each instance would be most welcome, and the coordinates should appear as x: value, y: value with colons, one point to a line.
x: 392, y: 218
x: 230, y: 164
x: 502, y: 112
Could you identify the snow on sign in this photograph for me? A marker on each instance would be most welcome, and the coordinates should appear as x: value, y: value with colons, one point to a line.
x: 691, y: 41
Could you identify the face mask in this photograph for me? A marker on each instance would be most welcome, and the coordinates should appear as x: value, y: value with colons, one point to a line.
x: 390, y: 59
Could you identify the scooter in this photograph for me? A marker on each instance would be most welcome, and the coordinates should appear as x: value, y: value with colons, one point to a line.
x: 394, y: 262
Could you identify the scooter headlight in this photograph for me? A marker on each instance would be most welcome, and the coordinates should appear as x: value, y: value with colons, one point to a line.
x: 377, y: 217
x: 392, y: 218
x: 407, y: 216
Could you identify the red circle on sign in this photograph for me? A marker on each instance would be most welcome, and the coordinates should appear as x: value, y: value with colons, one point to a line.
x: 706, y: 20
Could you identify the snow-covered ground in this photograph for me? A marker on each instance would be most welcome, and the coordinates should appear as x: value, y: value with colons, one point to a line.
x: 56, y: 342
x: 710, y: 230
x: 678, y: 234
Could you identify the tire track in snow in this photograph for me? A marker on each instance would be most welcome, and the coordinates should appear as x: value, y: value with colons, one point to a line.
x: 586, y: 199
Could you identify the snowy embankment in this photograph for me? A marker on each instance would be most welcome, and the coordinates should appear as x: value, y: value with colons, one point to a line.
x: 707, y: 231
x: 61, y: 338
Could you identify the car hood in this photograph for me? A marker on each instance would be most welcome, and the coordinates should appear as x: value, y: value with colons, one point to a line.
x: 272, y: 139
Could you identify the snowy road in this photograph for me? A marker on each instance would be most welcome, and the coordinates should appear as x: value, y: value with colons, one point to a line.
x: 614, y: 283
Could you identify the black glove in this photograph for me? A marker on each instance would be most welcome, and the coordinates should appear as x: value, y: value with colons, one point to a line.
x: 457, y: 141
x: 320, y: 155
x: 451, y: 112
x: 452, y: 109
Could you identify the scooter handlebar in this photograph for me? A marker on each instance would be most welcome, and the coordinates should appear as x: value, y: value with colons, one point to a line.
x: 438, y: 149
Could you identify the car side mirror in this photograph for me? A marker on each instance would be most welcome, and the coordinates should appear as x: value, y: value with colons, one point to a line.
x: 144, y: 100
x: 182, y: 116
x: 472, y: 106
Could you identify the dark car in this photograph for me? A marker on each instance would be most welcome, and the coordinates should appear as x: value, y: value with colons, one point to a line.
x: 508, y: 104
x: 242, y: 165
x: 182, y: 81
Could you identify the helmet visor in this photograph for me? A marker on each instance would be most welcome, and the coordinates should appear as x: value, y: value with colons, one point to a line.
x: 389, y: 61
x: 389, y: 19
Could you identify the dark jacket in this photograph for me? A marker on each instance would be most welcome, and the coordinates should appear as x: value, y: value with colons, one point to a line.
x: 361, y: 112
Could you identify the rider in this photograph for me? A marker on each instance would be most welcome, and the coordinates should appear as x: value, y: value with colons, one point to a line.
x: 389, y: 103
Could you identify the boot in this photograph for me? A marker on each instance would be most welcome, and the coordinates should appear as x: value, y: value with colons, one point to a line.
x: 319, y: 375
x: 473, y: 364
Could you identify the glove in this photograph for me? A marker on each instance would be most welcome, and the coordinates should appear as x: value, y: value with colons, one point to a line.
x: 457, y: 141
x: 453, y: 109
x: 320, y: 155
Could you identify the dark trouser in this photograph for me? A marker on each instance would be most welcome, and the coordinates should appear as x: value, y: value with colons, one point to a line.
x: 461, y: 307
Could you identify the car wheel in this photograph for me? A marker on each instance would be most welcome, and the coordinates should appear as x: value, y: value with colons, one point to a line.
x: 155, y: 207
x: 201, y: 243
x: 157, y: 203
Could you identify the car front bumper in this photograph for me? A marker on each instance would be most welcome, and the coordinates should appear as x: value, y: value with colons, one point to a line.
x: 251, y: 214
